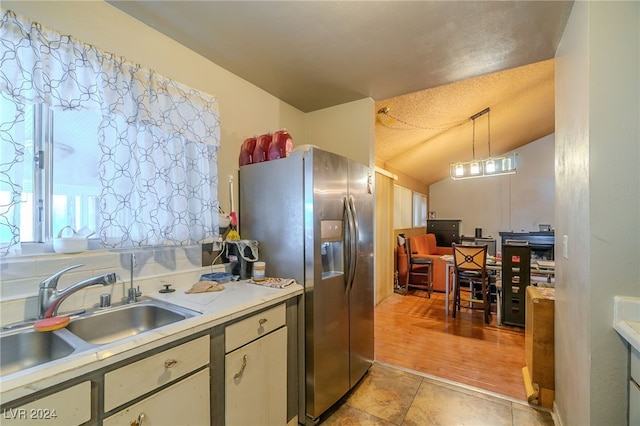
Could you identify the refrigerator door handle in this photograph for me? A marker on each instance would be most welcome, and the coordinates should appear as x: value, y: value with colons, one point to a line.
x: 354, y: 235
x: 347, y: 238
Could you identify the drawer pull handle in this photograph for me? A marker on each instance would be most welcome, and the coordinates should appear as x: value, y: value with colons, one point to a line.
x: 262, y: 321
x: 170, y: 363
x: 244, y: 365
x: 139, y: 420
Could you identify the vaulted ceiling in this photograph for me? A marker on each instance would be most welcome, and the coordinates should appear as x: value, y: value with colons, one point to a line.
x: 429, y: 65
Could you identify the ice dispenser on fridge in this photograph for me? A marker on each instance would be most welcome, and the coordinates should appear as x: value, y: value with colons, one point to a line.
x: 331, y: 248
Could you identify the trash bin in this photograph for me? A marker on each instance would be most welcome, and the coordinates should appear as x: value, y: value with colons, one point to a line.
x: 240, y: 255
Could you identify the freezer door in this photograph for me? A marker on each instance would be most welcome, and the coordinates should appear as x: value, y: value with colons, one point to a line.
x: 326, y: 298
x: 361, y: 294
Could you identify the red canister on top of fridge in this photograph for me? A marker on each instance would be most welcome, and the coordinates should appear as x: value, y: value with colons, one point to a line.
x: 246, y: 151
x: 262, y: 148
x: 281, y: 145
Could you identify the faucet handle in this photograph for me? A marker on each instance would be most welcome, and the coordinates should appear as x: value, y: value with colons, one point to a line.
x: 52, y: 281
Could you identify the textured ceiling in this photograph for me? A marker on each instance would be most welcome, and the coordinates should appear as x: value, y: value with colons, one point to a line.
x: 425, y: 131
x: 316, y: 54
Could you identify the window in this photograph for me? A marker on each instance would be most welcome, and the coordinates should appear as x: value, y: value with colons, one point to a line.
x: 402, y: 210
x: 410, y: 208
x: 419, y: 210
x: 58, y: 172
x: 149, y: 154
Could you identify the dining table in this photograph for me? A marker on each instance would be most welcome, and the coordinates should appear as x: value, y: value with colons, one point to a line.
x: 544, y: 268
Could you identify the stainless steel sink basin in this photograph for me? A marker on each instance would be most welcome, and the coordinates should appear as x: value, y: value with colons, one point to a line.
x: 25, y: 349
x: 117, y: 323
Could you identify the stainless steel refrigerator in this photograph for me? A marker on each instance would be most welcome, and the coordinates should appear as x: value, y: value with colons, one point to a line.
x: 312, y: 215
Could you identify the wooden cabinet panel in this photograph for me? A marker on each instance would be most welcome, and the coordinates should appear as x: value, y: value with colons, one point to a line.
x: 136, y: 379
x: 256, y: 382
x: 539, y: 346
x: 184, y: 403
x: 71, y: 406
x: 255, y: 326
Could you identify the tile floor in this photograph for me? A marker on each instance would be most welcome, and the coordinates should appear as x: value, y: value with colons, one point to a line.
x: 392, y: 396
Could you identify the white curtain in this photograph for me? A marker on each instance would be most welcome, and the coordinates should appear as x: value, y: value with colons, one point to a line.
x: 159, y: 139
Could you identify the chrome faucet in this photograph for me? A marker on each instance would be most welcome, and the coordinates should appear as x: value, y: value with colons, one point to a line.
x: 49, y: 298
x: 133, y: 294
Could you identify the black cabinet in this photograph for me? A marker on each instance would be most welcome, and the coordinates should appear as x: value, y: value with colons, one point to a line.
x: 516, y: 275
x: 446, y: 231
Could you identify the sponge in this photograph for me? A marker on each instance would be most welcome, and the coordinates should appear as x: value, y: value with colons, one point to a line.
x: 50, y: 324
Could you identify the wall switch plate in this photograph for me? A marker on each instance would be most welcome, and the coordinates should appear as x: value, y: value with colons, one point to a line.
x: 565, y: 246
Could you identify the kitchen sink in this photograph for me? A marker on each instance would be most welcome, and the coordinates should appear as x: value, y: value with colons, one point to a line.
x: 25, y: 349
x: 110, y: 325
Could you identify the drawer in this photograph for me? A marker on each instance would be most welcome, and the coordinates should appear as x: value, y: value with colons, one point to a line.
x: 249, y: 329
x: 183, y: 403
x: 71, y: 406
x: 635, y: 365
x: 136, y: 379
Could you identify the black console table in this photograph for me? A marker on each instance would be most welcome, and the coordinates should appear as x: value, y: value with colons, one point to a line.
x: 541, y: 242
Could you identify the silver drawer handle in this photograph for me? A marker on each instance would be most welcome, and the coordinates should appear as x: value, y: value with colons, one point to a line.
x: 170, y: 363
x: 139, y: 420
x: 244, y: 365
x: 262, y: 321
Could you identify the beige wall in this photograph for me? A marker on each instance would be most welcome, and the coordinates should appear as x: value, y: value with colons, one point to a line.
x: 346, y: 129
x: 517, y: 202
x: 406, y: 180
x: 597, y: 206
x: 245, y: 110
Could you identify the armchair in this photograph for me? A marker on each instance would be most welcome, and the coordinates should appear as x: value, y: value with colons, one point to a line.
x: 425, y: 245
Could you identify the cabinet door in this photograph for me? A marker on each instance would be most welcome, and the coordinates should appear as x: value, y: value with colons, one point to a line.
x: 634, y: 403
x: 71, y: 406
x: 184, y: 403
x: 256, y: 382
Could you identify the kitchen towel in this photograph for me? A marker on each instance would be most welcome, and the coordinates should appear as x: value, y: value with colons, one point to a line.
x: 204, y: 287
x: 274, y: 282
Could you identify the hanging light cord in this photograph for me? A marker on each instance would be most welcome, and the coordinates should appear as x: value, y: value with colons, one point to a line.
x: 385, y: 111
x: 473, y: 140
x: 489, y: 131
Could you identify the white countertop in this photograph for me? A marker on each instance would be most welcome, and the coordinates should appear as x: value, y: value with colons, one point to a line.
x: 626, y: 319
x: 236, y: 300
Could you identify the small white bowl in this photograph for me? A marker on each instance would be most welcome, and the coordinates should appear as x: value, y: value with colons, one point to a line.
x: 223, y: 221
x: 70, y: 245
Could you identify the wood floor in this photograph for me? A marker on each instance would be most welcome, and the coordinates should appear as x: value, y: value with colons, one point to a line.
x: 412, y: 332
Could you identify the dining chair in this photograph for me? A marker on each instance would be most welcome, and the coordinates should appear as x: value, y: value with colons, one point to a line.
x: 471, y: 280
x: 419, y: 269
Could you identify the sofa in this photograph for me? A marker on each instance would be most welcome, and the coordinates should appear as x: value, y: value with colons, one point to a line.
x: 425, y: 245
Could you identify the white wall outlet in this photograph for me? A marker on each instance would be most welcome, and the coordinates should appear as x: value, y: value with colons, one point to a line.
x: 565, y: 246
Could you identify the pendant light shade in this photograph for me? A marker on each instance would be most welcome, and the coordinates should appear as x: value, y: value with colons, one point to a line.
x: 492, y: 166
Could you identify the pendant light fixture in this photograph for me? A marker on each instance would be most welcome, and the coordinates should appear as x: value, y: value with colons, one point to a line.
x: 492, y: 166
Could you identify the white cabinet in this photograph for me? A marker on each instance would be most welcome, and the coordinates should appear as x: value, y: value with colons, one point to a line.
x: 138, y: 378
x: 256, y: 372
x: 634, y: 388
x: 71, y: 406
x: 184, y: 403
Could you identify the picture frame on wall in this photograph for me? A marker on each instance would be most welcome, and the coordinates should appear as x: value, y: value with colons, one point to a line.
x: 432, y: 215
